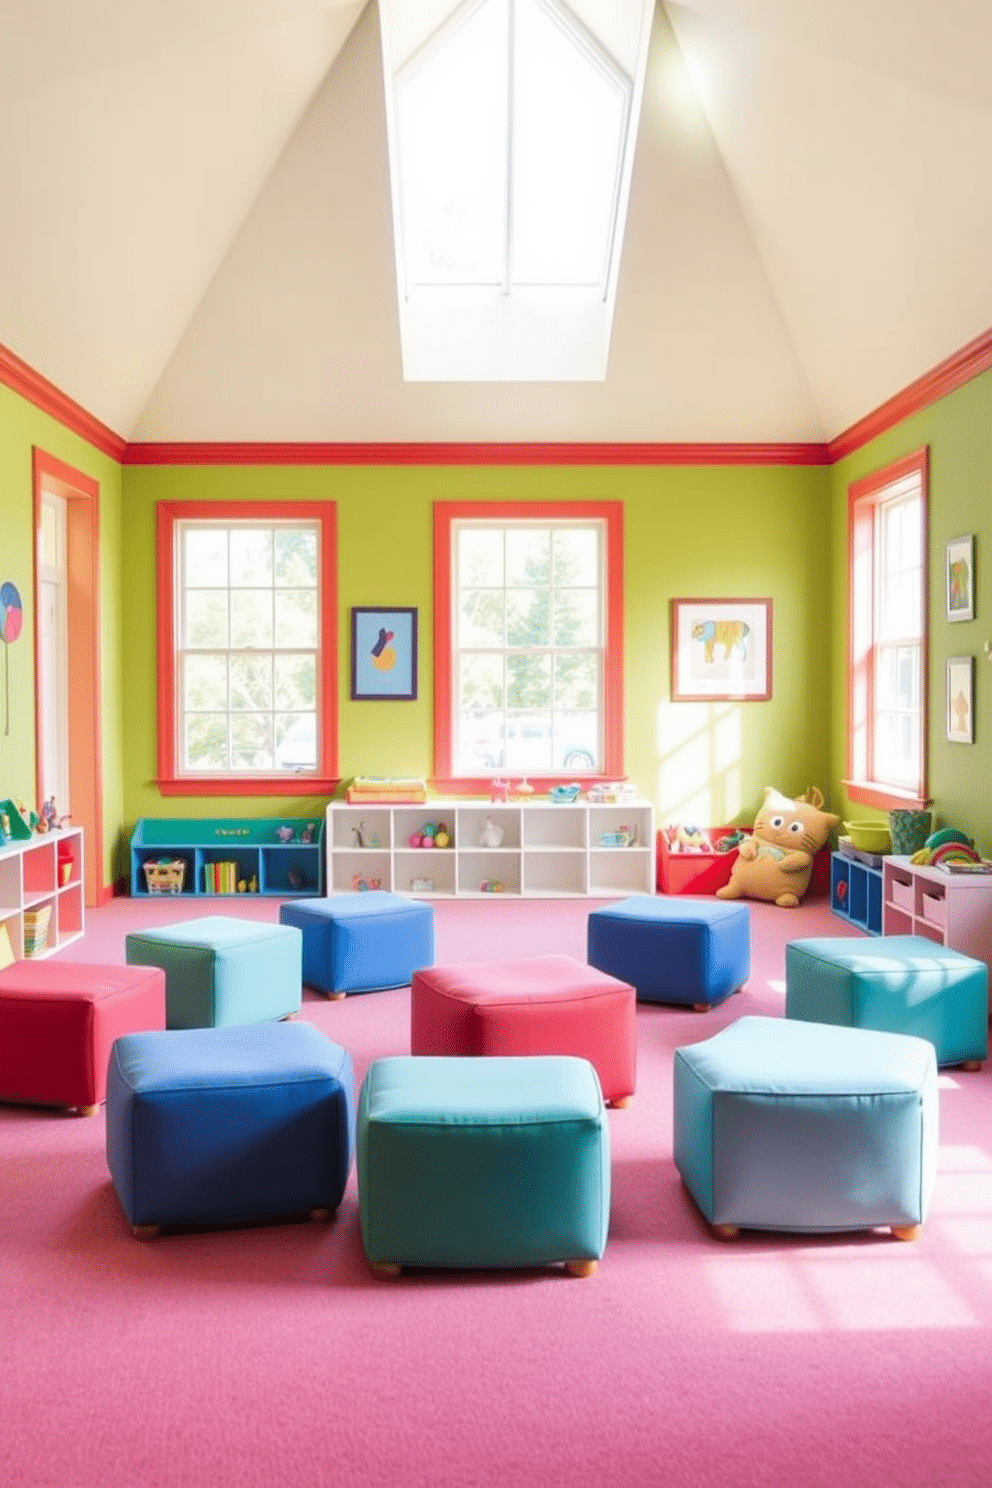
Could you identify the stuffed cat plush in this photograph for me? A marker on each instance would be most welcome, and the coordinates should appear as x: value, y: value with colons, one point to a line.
x: 776, y: 861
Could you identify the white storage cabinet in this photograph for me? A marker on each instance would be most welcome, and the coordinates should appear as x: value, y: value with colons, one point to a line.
x: 43, y: 870
x: 548, y: 850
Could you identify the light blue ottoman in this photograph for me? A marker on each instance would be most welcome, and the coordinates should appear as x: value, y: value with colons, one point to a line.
x: 362, y: 942
x: 221, y: 971
x: 680, y: 950
x: 781, y: 1125
x: 483, y: 1162
x: 228, y: 1125
x: 896, y: 984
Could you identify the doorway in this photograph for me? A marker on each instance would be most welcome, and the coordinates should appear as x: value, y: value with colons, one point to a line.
x: 67, y: 669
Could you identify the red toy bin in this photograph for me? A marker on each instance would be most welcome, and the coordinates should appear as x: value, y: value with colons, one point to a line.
x: 695, y: 873
x: 704, y: 873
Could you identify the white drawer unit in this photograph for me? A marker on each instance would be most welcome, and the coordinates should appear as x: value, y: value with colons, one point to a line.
x: 540, y: 849
x: 41, y: 892
x: 953, y: 909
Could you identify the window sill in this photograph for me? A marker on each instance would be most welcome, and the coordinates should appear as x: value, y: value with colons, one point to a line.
x: 248, y: 785
x: 885, y: 797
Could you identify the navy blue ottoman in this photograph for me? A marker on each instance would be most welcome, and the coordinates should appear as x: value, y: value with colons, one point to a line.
x: 689, y: 951
x: 362, y: 942
x: 228, y: 1125
x: 780, y: 1125
x: 894, y: 984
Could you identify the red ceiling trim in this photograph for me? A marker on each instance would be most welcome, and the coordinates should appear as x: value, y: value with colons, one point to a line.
x: 246, y: 453
x: 22, y: 379
x: 970, y: 361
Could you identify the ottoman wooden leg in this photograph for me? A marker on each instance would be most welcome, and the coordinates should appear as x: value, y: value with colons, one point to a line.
x: 906, y: 1232
x: 621, y: 1102
x: 725, y: 1231
x: 336, y: 996
x: 700, y: 1007
x: 386, y: 1269
x: 581, y: 1268
x: 971, y: 1065
x: 319, y: 1216
x: 146, y: 1231
x: 87, y: 1110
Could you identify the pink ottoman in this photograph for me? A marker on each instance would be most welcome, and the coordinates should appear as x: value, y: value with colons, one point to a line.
x: 544, y: 1005
x: 58, y: 1020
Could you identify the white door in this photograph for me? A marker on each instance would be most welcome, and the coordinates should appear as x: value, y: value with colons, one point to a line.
x: 53, y: 680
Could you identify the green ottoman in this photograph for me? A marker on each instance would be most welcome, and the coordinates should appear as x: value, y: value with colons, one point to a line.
x: 221, y: 971
x: 895, y: 984
x: 483, y: 1162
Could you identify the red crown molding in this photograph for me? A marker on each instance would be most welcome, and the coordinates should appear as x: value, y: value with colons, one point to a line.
x: 22, y: 379
x: 946, y: 377
x: 245, y: 453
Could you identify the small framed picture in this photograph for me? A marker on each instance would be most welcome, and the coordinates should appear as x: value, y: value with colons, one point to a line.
x: 721, y: 650
x: 960, y: 699
x: 961, y: 578
x: 383, y: 653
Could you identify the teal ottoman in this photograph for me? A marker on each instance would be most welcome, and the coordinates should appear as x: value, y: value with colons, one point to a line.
x: 483, y: 1162
x: 896, y: 984
x: 781, y: 1125
x: 221, y: 971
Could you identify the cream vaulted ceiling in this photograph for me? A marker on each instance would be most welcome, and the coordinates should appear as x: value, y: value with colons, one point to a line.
x: 196, y: 232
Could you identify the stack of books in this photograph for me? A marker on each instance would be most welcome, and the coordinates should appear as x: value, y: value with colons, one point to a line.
x: 220, y: 877
x: 36, y: 922
x: 385, y: 789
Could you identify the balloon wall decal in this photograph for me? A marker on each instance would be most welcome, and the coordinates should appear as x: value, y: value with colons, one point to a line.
x: 11, y: 620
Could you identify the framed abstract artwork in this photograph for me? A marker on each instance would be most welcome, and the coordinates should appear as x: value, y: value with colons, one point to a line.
x: 721, y: 650
x: 960, y: 572
x: 383, y: 653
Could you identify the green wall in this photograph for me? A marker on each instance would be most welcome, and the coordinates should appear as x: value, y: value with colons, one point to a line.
x: 699, y: 531
x: 21, y: 427
x: 958, y: 431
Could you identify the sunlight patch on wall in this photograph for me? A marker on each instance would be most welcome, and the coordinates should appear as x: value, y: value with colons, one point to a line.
x: 699, y: 771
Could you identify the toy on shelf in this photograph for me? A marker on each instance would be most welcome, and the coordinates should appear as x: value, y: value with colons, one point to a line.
x: 524, y: 790
x: 442, y: 837
x: 491, y: 886
x: 949, y: 845
x: 285, y: 834
x: 499, y: 790
x: 490, y: 833
x: 362, y: 884
x: 564, y: 794
x: 309, y: 831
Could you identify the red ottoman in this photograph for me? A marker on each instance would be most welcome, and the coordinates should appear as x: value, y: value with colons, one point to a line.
x: 58, y: 1020
x: 544, y: 1005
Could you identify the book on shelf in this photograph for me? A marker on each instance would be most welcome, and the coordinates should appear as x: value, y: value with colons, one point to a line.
x: 385, y: 798
x: 976, y: 868
x: 386, y: 789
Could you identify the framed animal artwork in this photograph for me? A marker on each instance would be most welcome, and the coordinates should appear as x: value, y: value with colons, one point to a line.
x: 721, y: 650
x: 960, y: 566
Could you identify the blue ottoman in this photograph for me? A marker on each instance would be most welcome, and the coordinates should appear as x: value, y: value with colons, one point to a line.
x: 689, y: 951
x: 897, y: 984
x: 221, y: 971
x: 491, y: 1161
x: 226, y: 1125
x: 782, y: 1125
x: 362, y: 942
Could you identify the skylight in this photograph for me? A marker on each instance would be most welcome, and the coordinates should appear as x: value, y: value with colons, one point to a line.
x: 511, y: 130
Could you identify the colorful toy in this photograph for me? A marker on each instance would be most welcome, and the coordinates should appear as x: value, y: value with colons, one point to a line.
x: 499, y: 790
x: 491, y: 886
x: 286, y: 834
x: 490, y: 833
x: 415, y: 839
x: 776, y: 862
x: 362, y: 885
x: 442, y: 837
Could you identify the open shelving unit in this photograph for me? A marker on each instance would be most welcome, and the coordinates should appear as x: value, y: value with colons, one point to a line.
x: 856, y: 891
x: 288, y: 869
x: 954, y: 910
x: 42, y: 874
x: 547, y: 849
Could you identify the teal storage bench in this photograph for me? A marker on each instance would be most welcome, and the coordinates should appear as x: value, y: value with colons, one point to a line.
x: 282, y: 857
x: 483, y: 1162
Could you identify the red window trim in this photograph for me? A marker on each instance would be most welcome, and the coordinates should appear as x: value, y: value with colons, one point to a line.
x: 448, y: 512
x: 169, y: 782
x: 863, y: 497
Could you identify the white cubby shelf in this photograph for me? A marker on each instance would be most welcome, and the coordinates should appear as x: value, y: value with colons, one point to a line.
x: 548, y: 850
x: 43, y: 871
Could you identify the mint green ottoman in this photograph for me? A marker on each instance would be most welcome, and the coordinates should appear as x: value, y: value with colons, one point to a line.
x: 492, y: 1161
x: 781, y: 1125
x: 895, y: 984
x: 221, y: 971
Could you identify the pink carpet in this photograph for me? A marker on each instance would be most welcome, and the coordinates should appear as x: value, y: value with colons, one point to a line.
x: 269, y: 1356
